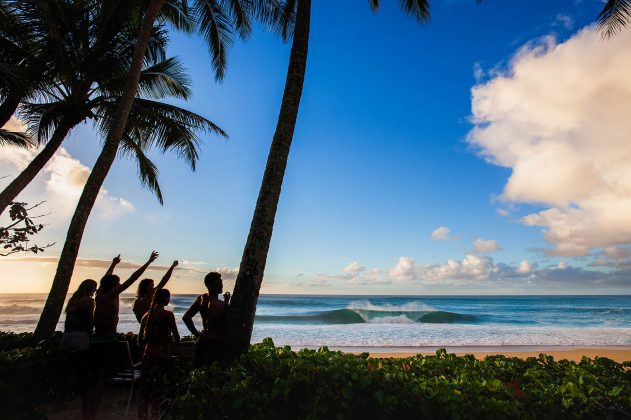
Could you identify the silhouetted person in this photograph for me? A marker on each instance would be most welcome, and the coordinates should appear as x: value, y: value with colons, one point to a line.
x: 145, y: 292
x: 104, y: 350
x: 157, y: 332
x: 213, y: 312
x: 76, y: 338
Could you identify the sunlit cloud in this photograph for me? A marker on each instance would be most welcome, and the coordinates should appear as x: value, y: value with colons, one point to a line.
x: 561, y: 124
x: 354, y: 267
x: 443, y: 233
x: 482, y: 246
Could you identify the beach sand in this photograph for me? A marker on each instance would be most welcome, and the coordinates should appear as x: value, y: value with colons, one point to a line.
x: 617, y: 353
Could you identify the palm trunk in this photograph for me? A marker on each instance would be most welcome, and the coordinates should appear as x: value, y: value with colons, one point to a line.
x: 54, y: 304
x: 8, y: 107
x: 248, y: 284
x: 26, y: 176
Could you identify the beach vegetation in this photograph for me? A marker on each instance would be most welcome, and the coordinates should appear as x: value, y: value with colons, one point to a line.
x: 16, y: 236
x: 276, y: 382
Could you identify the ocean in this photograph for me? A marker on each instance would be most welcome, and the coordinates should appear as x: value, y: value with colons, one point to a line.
x: 401, y: 322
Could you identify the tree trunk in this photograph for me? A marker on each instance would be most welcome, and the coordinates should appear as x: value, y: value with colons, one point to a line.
x: 55, y: 302
x: 8, y: 107
x: 248, y: 284
x: 26, y: 176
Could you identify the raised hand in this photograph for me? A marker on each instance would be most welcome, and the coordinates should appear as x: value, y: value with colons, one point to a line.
x: 175, y: 263
x: 226, y: 297
x: 116, y: 259
x: 154, y: 256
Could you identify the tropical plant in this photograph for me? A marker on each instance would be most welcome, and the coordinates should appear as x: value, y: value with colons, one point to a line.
x: 15, y: 237
x: 149, y: 124
x: 87, y: 37
x: 293, y: 20
x: 217, y: 22
x: 614, y: 17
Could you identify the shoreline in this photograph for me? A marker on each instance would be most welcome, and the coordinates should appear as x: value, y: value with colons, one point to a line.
x: 619, y: 353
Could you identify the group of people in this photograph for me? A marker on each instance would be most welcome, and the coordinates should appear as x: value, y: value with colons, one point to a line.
x: 92, y: 320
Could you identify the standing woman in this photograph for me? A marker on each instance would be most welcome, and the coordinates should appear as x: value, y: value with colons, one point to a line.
x: 158, y: 332
x: 76, y: 337
x: 145, y: 291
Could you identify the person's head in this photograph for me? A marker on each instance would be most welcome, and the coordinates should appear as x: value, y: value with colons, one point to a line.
x: 162, y: 297
x: 85, y: 289
x: 145, y: 288
x: 108, y: 282
x: 213, y: 283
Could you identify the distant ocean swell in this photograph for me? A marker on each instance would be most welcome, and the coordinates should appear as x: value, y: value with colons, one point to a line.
x: 360, y: 316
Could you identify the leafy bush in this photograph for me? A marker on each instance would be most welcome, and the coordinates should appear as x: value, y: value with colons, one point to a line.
x: 275, y: 382
x: 29, y: 377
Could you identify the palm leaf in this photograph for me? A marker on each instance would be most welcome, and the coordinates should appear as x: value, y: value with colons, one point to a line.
x: 147, y: 170
x: 215, y: 26
x: 614, y: 17
x: 14, y: 138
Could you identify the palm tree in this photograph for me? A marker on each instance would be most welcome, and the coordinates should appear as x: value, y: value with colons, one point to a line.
x: 74, y: 75
x: 294, y: 18
x: 216, y: 21
x: 614, y: 17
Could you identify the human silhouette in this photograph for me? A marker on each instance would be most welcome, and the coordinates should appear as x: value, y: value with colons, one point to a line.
x: 76, y: 337
x: 146, y: 289
x: 158, y: 332
x: 213, y: 313
x: 103, y: 346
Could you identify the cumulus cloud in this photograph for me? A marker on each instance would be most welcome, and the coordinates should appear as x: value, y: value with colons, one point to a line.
x: 443, y: 233
x: 60, y: 183
x: 488, y: 246
x: 354, y: 267
x: 561, y: 124
x: 525, y: 267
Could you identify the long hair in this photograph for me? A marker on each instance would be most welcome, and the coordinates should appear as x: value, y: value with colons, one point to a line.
x: 160, y: 297
x: 85, y: 289
x: 108, y: 282
x: 143, y: 287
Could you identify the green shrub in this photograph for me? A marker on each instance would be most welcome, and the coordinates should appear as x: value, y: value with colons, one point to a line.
x: 30, y: 377
x: 274, y: 382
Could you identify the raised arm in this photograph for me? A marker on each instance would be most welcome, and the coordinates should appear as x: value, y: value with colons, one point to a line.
x: 137, y: 273
x: 115, y: 262
x: 166, y: 276
x: 188, y: 316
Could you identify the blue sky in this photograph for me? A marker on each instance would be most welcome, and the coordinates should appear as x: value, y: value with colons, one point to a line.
x: 381, y: 158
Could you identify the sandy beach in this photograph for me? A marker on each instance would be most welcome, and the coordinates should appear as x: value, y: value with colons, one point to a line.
x: 617, y: 353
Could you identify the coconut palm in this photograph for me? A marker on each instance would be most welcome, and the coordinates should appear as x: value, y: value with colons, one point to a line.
x: 217, y: 21
x: 293, y: 20
x: 614, y: 17
x: 74, y: 75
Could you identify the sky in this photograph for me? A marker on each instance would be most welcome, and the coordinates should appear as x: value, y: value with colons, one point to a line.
x: 485, y: 152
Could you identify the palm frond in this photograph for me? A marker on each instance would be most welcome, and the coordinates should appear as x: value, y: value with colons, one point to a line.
x: 41, y: 118
x: 15, y: 138
x: 241, y: 14
x: 215, y: 26
x: 178, y: 14
x: 419, y: 9
x: 287, y: 19
x: 147, y: 170
x: 166, y: 78
x: 614, y: 17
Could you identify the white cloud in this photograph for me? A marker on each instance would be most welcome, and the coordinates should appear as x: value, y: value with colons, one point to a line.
x: 616, y: 253
x: 14, y: 125
x: 564, y: 20
x: 354, y: 267
x: 59, y: 183
x: 482, y: 246
x: 525, y: 267
x: 443, y: 233
x: 561, y: 124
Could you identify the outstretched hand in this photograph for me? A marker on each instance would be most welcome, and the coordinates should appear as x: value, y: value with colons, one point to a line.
x: 154, y: 256
x: 175, y: 263
x: 116, y: 259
